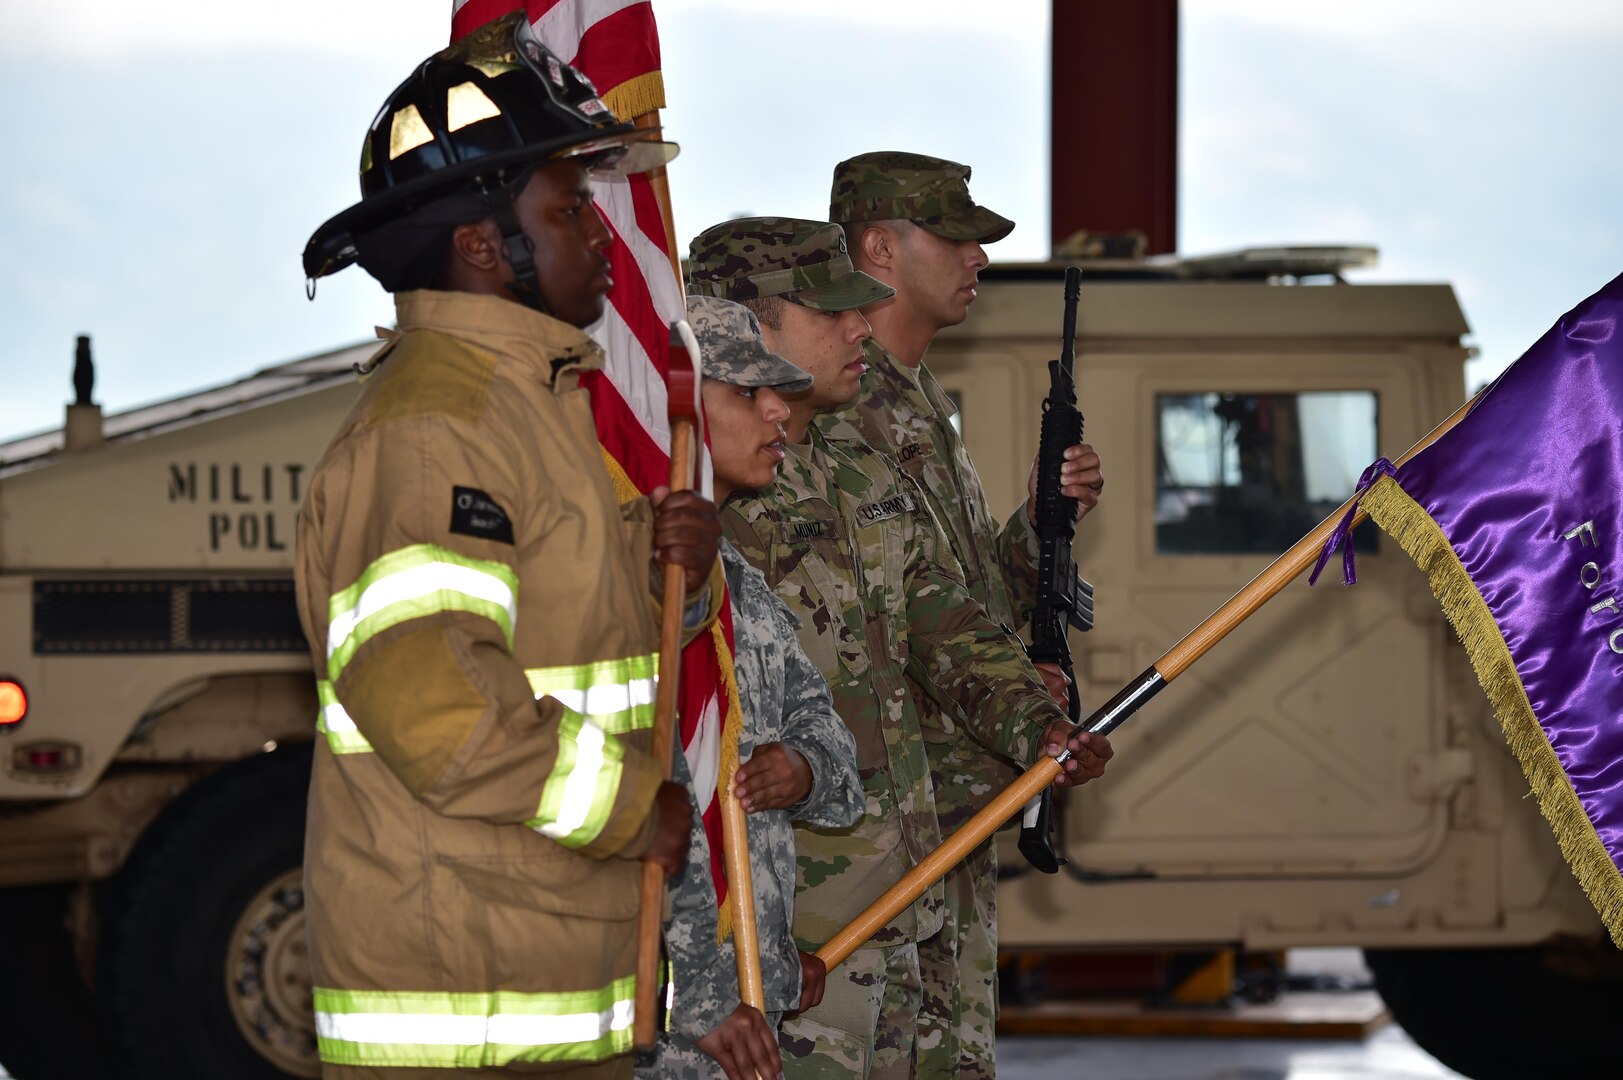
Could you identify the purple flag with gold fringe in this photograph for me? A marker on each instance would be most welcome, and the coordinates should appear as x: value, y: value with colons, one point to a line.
x: 1516, y: 514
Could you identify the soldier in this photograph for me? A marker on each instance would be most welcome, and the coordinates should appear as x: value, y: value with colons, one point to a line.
x: 910, y: 223
x: 844, y: 540
x: 478, y: 601
x: 799, y: 760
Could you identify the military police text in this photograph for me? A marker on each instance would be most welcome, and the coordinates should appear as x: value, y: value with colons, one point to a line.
x: 258, y: 503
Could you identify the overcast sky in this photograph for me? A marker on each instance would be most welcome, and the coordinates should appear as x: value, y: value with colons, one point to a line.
x: 166, y: 162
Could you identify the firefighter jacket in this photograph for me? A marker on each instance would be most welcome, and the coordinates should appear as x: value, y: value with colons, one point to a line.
x: 479, y: 607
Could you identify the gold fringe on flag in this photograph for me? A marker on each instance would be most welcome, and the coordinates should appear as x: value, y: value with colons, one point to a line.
x: 732, y: 729
x: 733, y: 726
x: 1408, y: 523
x: 637, y: 95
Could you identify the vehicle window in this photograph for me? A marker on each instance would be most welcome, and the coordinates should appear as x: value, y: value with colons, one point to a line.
x: 1244, y: 473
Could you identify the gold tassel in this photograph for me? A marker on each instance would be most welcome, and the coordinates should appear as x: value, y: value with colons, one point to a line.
x: 1408, y: 523
x: 637, y: 95
x: 733, y: 727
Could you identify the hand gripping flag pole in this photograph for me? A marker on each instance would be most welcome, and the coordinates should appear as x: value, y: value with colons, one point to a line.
x: 735, y: 841
x: 682, y: 383
x: 1262, y: 588
x: 617, y: 46
x: 685, y: 414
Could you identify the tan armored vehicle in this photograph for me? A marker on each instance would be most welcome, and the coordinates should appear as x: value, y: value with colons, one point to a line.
x: 1330, y: 775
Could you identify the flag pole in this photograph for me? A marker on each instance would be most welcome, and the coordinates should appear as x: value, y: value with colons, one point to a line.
x: 734, y: 830
x: 651, y: 909
x: 1195, y: 644
x: 651, y: 906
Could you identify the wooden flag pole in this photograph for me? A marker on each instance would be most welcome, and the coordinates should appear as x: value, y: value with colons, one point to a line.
x: 1241, y: 606
x: 734, y: 832
x: 651, y: 911
x: 651, y: 907
x: 741, y: 900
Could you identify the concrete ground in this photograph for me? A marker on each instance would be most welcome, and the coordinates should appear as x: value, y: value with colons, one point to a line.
x: 1388, y: 1054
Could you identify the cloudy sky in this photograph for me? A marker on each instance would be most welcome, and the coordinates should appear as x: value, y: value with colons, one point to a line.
x: 166, y: 162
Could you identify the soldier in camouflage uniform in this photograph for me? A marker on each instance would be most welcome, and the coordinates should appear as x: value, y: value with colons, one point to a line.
x: 798, y: 765
x: 849, y: 544
x: 910, y: 222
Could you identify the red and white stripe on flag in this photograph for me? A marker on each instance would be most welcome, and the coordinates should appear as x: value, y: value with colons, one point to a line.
x: 615, y: 43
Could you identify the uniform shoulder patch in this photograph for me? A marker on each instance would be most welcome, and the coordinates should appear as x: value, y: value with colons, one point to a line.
x: 900, y: 503
x: 474, y: 513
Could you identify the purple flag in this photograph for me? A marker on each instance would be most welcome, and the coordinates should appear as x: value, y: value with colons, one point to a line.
x: 1516, y: 514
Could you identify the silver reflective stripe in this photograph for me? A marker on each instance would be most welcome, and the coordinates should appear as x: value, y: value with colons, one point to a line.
x: 618, y: 695
x: 595, y: 701
x: 516, y: 1029
x: 580, y: 793
x: 424, y: 579
x: 335, y: 723
x: 469, y: 1030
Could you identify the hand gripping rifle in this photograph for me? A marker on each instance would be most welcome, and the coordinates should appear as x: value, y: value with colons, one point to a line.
x: 1064, y: 600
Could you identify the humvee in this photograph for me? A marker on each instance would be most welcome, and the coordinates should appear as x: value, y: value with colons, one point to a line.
x: 1329, y: 775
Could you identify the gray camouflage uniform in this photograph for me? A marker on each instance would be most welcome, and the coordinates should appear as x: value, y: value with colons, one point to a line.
x: 784, y: 699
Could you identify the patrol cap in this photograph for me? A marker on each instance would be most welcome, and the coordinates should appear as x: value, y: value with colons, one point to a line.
x: 733, y: 350
x: 931, y: 192
x: 802, y: 261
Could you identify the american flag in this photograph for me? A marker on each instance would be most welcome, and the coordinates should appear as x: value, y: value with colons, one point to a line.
x: 615, y: 43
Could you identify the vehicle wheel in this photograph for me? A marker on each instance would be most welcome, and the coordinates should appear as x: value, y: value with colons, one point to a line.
x: 1501, y: 1014
x: 203, y: 970
x: 48, y: 1028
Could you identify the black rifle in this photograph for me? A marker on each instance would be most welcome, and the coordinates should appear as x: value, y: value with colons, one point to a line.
x: 1064, y: 600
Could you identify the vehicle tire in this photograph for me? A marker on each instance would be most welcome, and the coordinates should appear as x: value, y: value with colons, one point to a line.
x: 203, y: 971
x: 1501, y: 1014
x: 48, y: 1022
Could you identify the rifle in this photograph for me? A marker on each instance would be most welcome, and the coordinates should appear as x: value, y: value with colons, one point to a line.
x: 1064, y: 599
x: 1106, y: 718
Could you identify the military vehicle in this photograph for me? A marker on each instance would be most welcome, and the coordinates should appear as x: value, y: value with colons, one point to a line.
x: 1329, y: 775
x: 152, y: 795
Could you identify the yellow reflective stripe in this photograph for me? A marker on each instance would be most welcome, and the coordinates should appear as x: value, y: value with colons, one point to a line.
x: 618, y: 695
x: 472, y: 1030
x: 424, y: 579
x: 577, y: 797
x: 334, y: 722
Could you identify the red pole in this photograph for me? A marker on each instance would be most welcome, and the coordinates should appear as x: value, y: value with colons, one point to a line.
x: 1114, y: 119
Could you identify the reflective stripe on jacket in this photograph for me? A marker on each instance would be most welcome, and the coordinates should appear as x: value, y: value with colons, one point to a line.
x: 483, y: 631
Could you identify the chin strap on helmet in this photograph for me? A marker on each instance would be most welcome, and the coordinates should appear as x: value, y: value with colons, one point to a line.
x: 517, y: 247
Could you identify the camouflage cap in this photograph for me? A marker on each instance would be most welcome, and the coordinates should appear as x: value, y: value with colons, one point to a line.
x: 733, y: 350
x: 802, y: 261
x: 929, y: 191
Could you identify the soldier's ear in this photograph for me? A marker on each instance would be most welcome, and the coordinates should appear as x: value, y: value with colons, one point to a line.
x: 877, y: 244
x: 477, y: 245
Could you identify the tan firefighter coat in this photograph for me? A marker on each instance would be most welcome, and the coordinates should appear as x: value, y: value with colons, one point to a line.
x: 479, y: 608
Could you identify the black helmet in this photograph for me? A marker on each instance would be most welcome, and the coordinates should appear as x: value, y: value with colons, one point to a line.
x: 469, y: 121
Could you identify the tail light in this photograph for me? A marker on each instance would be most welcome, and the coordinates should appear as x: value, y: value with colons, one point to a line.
x: 13, y: 703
